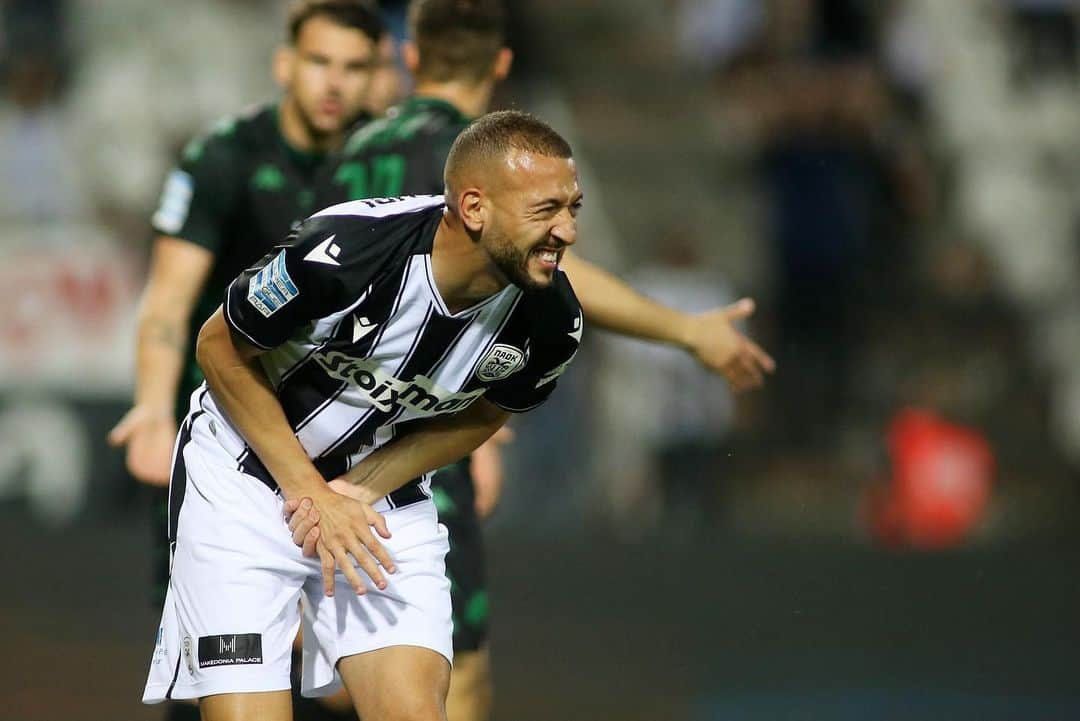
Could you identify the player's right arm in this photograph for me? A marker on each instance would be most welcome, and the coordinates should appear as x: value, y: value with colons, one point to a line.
x: 286, y: 290
x: 178, y: 272
x: 242, y: 389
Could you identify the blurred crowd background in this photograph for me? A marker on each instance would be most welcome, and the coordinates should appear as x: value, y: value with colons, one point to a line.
x: 891, y: 522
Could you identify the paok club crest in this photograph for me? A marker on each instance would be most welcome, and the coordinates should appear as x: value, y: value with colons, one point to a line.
x: 501, y: 361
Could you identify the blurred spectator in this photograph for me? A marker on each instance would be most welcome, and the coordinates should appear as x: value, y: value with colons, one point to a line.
x: 35, y: 27
x: 842, y: 181
x: 670, y: 417
x: 37, y: 163
x: 1044, y: 40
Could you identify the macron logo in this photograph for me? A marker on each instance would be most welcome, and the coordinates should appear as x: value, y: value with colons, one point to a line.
x: 325, y: 252
x: 576, y: 333
x: 361, y: 327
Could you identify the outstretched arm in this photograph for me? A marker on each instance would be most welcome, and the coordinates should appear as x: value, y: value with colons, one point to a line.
x: 711, y: 337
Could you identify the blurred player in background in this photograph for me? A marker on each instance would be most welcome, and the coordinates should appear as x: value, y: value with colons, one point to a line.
x: 457, y: 55
x: 237, y: 191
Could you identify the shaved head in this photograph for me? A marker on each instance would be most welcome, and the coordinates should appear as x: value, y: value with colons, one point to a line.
x: 512, y: 184
x: 502, y: 140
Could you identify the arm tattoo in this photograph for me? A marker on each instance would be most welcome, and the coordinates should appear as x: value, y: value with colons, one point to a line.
x: 163, y: 332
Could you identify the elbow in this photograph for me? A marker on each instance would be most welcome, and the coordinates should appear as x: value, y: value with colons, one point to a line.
x: 208, y: 343
x: 203, y: 353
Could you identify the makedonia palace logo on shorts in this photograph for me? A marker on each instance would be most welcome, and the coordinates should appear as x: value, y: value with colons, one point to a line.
x: 500, y: 361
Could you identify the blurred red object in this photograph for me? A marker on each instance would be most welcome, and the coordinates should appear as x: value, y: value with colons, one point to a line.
x: 940, y: 485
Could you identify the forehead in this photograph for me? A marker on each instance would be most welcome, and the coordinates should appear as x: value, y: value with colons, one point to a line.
x: 321, y: 34
x: 533, y: 176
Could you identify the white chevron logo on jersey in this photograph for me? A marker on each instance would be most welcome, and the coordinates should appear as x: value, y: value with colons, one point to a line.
x: 361, y: 327
x: 576, y: 333
x: 325, y: 252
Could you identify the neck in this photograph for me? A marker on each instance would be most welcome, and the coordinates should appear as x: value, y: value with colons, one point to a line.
x: 299, y: 134
x: 471, y: 99
x: 464, y: 274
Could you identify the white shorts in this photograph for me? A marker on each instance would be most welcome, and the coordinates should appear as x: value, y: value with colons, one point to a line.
x: 232, y: 609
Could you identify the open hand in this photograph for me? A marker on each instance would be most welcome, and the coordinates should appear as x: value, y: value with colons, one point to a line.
x: 721, y: 348
x: 149, y: 435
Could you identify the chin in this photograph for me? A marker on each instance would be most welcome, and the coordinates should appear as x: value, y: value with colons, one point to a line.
x: 532, y: 282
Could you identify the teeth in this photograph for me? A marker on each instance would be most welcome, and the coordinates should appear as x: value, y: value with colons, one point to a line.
x: 549, y: 255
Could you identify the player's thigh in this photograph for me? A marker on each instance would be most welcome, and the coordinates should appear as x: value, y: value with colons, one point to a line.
x: 413, y: 610
x: 268, y: 706
x: 397, y: 683
x: 470, y: 695
x: 231, y: 611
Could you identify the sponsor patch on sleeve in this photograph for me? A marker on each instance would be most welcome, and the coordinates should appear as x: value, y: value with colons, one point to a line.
x: 271, y: 288
x: 172, y: 211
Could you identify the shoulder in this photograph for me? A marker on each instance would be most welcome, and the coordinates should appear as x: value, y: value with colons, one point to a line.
x: 228, y: 138
x: 370, y: 210
x: 555, y: 315
x: 364, y: 229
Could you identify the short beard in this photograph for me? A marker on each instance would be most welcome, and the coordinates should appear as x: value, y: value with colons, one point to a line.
x: 514, y: 266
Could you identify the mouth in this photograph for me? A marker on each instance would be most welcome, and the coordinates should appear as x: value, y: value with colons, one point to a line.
x: 330, y: 107
x: 548, y: 257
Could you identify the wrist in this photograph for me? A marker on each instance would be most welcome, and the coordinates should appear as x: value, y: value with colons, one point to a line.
x: 303, y: 487
x: 157, y: 409
x: 685, y: 331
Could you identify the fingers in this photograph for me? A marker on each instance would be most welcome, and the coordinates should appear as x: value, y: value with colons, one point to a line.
x: 147, y: 465
x: 326, y: 561
x: 121, y: 432
x: 311, y: 541
x: 763, y: 359
x: 362, y: 552
x: 376, y: 519
x: 291, y: 506
x: 743, y: 308
x: 303, y: 522
x: 376, y: 549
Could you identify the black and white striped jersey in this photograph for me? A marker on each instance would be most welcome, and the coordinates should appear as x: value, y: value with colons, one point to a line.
x: 359, y: 341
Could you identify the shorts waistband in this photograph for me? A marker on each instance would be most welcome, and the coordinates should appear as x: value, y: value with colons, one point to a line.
x: 412, y: 492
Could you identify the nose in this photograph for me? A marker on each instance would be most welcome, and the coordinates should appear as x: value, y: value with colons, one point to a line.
x: 335, y: 78
x: 565, y: 230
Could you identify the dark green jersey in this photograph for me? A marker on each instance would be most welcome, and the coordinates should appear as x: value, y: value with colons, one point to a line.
x: 402, y: 153
x: 238, y: 190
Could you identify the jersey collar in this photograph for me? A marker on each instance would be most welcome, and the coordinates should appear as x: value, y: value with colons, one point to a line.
x: 420, y: 102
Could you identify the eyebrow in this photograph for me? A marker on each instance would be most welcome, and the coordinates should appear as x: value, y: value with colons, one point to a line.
x: 551, y: 202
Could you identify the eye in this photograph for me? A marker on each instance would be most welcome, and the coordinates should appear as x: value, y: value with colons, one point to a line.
x: 575, y: 207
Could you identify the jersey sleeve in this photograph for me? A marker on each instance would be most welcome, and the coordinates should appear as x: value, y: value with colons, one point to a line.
x: 319, y: 270
x: 551, y: 352
x: 200, y: 191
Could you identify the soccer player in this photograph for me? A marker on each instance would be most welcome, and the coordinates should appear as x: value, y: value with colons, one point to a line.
x: 457, y: 56
x: 237, y: 191
x: 407, y: 320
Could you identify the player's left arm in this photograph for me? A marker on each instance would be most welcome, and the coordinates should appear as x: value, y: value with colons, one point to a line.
x: 430, y: 444
x: 711, y: 337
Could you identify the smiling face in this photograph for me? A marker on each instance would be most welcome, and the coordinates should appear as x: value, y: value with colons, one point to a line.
x: 326, y: 74
x: 531, y: 208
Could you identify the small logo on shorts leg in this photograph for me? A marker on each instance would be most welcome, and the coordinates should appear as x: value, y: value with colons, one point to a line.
x: 501, y: 361
x: 187, y: 654
x: 232, y: 649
